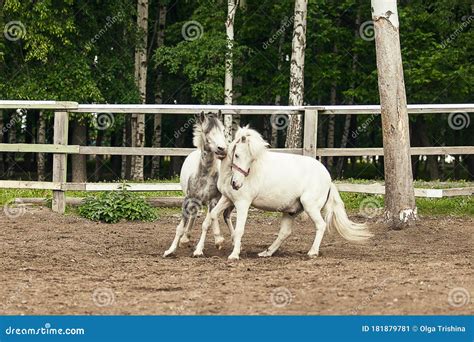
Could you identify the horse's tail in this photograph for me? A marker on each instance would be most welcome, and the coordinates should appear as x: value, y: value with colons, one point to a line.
x: 336, y: 216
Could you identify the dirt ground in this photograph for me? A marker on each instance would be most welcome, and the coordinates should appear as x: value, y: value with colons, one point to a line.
x: 52, y: 264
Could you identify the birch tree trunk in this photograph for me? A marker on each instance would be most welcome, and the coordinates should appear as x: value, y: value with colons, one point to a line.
x: 11, y: 129
x: 235, y: 100
x: 294, y: 137
x: 2, y: 133
x: 125, y: 159
x: 400, y: 207
x: 40, y: 158
x: 229, y: 65
x: 138, y: 120
x: 155, y: 164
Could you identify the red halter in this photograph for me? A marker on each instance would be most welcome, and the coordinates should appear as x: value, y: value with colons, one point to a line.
x: 235, y: 166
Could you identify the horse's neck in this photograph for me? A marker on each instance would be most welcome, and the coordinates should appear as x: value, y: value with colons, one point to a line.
x: 207, y: 161
x: 225, y: 169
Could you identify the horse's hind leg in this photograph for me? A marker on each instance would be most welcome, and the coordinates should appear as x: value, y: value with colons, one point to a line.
x: 285, y: 231
x: 186, y: 234
x: 185, y: 223
x: 313, y: 208
x: 228, y: 221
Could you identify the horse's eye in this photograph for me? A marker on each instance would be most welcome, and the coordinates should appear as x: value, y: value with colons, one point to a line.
x: 237, y: 156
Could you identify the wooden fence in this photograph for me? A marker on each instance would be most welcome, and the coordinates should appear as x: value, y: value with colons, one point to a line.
x: 60, y: 147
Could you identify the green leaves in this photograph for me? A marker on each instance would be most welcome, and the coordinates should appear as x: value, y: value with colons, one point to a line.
x: 114, y: 206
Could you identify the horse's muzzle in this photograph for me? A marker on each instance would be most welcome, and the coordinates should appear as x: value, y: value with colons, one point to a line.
x: 235, y: 186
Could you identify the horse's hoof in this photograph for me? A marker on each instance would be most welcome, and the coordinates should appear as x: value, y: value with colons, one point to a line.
x: 197, y: 254
x: 219, y: 242
x: 264, y: 254
x: 233, y: 257
x: 314, y: 255
x: 167, y: 253
x: 184, y: 241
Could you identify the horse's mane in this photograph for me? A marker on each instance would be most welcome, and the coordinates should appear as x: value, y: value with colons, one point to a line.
x: 197, y: 136
x: 257, y: 144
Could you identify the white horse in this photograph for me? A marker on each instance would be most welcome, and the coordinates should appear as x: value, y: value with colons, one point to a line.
x: 252, y: 176
x: 198, y: 179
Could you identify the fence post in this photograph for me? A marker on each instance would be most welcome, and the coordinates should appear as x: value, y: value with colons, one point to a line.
x: 310, y: 132
x: 61, y: 123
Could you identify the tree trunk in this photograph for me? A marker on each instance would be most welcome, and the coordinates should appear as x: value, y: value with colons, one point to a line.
x: 99, y: 159
x: 138, y: 120
x: 126, y: 142
x: 470, y: 166
x: 332, y: 119
x: 41, y: 157
x: 29, y: 134
x: 79, y: 166
x: 11, y: 129
x: 400, y: 206
x: 2, y: 134
x: 155, y: 164
x: 235, y: 100
x: 341, y: 161
x: 431, y: 161
x: 344, y: 140
x: 229, y: 65
x: 274, y: 132
x: 294, y: 135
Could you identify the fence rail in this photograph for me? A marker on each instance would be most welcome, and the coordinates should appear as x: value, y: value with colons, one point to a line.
x: 60, y: 147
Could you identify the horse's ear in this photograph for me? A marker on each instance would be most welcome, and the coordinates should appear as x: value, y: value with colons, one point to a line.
x: 201, y: 116
x: 219, y: 114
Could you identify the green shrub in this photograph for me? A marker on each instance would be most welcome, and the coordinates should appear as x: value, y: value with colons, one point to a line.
x: 113, y: 206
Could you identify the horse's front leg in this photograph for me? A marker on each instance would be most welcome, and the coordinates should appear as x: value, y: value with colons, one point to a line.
x: 228, y: 221
x: 223, y: 205
x: 184, y: 225
x: 242, y: 212
x: 211, y: 219
x: 198, y: 252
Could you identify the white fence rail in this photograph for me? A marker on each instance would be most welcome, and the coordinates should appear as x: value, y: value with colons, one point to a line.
x: 60, y: 149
